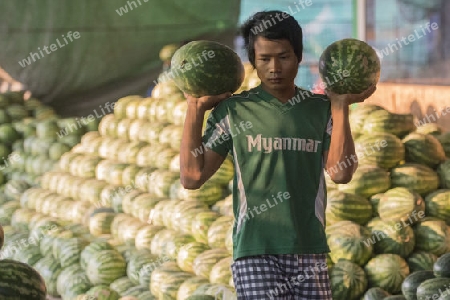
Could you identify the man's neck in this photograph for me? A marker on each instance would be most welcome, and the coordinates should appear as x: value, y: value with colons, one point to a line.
x: 282, y: 95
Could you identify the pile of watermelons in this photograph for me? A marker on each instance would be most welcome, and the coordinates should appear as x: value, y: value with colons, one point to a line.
x: 113, y: 222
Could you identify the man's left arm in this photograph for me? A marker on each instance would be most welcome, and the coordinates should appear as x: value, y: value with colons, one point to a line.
x: 340, y: 160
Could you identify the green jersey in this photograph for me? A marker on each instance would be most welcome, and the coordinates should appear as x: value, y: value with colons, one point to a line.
x: 279, y: 191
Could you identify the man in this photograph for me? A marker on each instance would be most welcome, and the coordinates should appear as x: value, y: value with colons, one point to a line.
x: 279, y: 192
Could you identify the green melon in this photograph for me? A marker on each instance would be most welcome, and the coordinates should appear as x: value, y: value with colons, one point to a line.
x: 432, y: 236
x: 367, y: 181
x: 349, y: 66
x: 350, y: 241
x: 105, y: 267
x: 421, y: 261
x: 189, y: 286
x: 412, y: 282
x: 357, y: 116
x: 441, y: 267
x: 345, y: 206
x: 375, y: 293
x: 444, y: 139
x: 348, y: 280
x: 381, y: 149
x: 429, y: 288
x: 203, y: 67
x: 385, y: 121
x: 187, y: 254
x: 401, y: 205
x: 392, y: 237
x: 423, y: 149
x: 204, y: 262
x: 437, y: 204
x: 387, y: 271
x: 443, y: 171
x: 20, y: 281
x: 416, y: 177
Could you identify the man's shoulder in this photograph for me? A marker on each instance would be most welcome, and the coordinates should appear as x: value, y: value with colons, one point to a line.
x: 306, y: 96
x: 237, y: 99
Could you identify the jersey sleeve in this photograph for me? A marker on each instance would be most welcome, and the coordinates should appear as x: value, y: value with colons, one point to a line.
x: 217, y: 135
x: 327, y: 133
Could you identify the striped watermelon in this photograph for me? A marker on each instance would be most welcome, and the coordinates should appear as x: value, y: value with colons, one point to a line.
x: 385, y: 121
x: 205, y: 261
x: 443, y: 171
x: 20, y: 281
x: 201, y: 223
x: 70, y: 251
x: 437, y: 205
x: 428, y: 128
x: 412, y: 282
x: 421, y: 261
x: 7, y: 210
x: 348, y: 280
x: 170, y: 283
x: 380, y: 149
x: 143, y: 205
x: 103, y: 292
x: 188, y: 253
x: 100, y: 223
x: 423, y: 149
x: 444, y: 139
x: 217, y: 231
x: 136, y: 290
x: 388, y: 237
x: 136, y: 263
x: 221, y: 271
x: 72, y: 281
x: 121, y: 285
x: 196, y: 69
x: 49, y: 268
x: 367, y: 181
x: 431, y: 288
x: 375, y: 293
x: 432, y: 236
x: 416, y: 177
x: 145, y: 235
x: 105, y: 267
x: 180, y: 212
x: 349, y: 66
x: 345, y: 206
x: 374, y: 201
x: 225, y: 172
x: 173, y: 246
x: 160, y: 240
x: 402, y: 205
x: 28, y: 255
x: 358, y: 115
x: 387, y: 271
x: 160, y: 273
x: 209, y: 193
x: 350, y: 241
x: 90, y: 250
x: 189, y: 286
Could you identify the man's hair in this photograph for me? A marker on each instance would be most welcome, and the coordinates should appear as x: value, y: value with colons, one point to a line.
x: 272, y: 25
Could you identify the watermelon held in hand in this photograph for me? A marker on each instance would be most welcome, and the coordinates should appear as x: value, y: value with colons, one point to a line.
x: 202, y: 68
x: 349, y: 66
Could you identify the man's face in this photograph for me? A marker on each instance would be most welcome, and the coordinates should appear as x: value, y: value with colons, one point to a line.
x: 276, y: 64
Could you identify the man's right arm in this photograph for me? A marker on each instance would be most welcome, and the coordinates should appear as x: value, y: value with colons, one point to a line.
x: 197, y: 164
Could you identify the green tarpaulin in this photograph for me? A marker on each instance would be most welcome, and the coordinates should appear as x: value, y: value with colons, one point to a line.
x: 77, y: 55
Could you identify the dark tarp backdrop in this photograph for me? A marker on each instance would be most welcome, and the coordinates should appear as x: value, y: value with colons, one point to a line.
x: 77, y: 55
